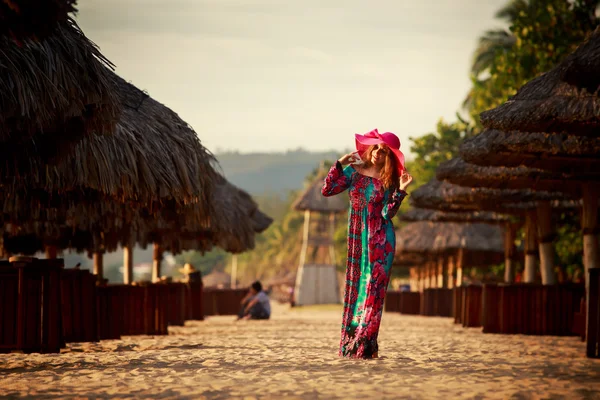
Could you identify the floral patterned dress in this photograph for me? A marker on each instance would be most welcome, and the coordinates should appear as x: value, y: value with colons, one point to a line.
x: 371, y: 245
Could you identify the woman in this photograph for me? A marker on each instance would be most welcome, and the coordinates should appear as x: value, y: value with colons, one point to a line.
x: 376, y: 180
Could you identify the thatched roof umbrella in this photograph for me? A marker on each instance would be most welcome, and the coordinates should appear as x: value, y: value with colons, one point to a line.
x: 312, y: 199
x: 449, y: 197
x: 565, y: 99
x: 419, y: 214
x: 53, y: 91
x: 217, y: 279
x: 23, y: 18
x: 444, y: 196
x: 459, y: 172
x: 460, y: 244
x: 569, y: 154
x: 152, y: 157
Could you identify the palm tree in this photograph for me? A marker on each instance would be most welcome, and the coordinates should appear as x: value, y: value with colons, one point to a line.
x: 495, y: 42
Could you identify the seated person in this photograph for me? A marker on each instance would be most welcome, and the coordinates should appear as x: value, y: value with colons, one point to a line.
x: 256, y: 304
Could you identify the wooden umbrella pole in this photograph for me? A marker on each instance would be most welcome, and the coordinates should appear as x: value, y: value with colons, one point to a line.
x: 530, y: 247
x: 99, y: 265
x: 589, y: 225
x: 128, y: 264
x: 509, y: 252
x: 442, y: 271
x: 450, y: 272
x: 546, y: 236
x: 51, y: 252
x: 459, y: 267
x: 156, y: 262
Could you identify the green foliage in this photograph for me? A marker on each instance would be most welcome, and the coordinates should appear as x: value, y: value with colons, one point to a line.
x: 434, y: 148
x: 541, y: 34
x: 569, y: 246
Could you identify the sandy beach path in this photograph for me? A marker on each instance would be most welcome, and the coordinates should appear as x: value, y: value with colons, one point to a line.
x: 294, y: 355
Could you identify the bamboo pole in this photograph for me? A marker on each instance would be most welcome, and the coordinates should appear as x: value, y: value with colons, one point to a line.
x: 233, y: 271
x: 459, y: 267
x: 509, y: 252
x: 51, y: 252
x: 128, y: 265
x: 546, y: 236
x: 332, y: 259
x: 99, y: 265
x: 589, y: 225
x: 450, y: 272
x: 530, y: 247
x: 156, y: 262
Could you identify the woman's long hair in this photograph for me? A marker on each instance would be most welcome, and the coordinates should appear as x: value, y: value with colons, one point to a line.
x: 388, y: 175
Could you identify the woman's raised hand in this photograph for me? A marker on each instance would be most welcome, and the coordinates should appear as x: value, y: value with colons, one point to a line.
x: 346, y: 159
x: 405, y: 180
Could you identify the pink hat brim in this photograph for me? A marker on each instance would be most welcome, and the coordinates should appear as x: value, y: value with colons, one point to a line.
x: 363, y: 142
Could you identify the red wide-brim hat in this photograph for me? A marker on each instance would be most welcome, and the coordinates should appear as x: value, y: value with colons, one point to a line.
x: 363, y: 142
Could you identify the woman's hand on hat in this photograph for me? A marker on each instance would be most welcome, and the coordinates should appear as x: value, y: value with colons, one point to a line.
x: 405, y: 180
x: 346, y: 159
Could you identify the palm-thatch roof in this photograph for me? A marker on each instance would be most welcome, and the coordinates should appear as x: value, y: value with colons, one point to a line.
x: 26, y: 18
x: 55, y: 89
x: 216, y: 278
x: 313, y: 200
x: 482, y: 243
x: 153, y: 156
x: 239, y: 221
x: 565, y: 99
x: 151, y: 181
x: 459, y: 172
x: 445, y: 196
x: 575, y: 155
x: 420, y: 214
x: 83, y: 226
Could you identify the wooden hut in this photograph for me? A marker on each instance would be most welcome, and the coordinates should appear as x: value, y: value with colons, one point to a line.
x: 316, y: 280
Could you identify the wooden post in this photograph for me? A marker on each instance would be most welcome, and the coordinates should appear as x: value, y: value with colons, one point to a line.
x: 414, y: 279
x: 331, y: 236
x: 305, y: 237
x: 591, y: 256
x: 450, y: 272
x: 459, y: 267
x: 530, y: 247
x: 233, y: 271
x: 439, y: 271
x: 51, y: 252
x: 432, y: 276
x: 546, y: 236
x: 509, y: 252
x: 589, y: 225
x: 156, y: 262
x: 426, y: 283
x: 99, y: 265
x: 128, y: 265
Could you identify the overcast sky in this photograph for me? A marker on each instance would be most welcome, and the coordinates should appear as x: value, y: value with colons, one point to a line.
x: 272, y: 75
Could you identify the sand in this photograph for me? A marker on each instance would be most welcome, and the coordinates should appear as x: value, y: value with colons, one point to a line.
x: 294, y: 355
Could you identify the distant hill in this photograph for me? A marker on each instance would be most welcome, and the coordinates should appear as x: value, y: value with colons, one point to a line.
x: 271, y: 173
x: 260, y: 174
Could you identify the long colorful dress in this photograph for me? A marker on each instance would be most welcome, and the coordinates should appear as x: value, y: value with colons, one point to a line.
x: 371, y: 245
